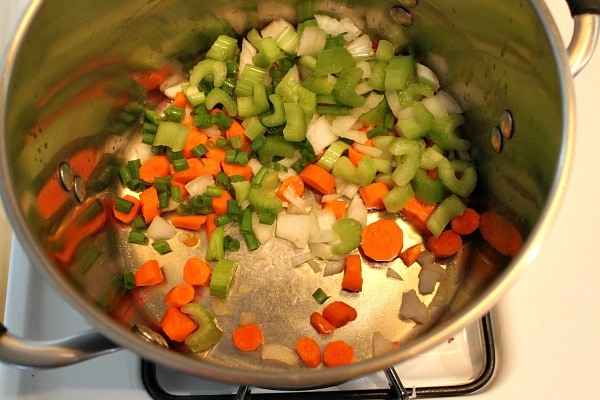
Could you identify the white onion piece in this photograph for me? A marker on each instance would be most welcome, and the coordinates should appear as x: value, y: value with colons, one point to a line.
x: 325, y: 219
x: 372, y: 100
x: 293, y: 227
x: 247, y: 318
x: 263, y: 232
x: 333, y: 267
x: 275, y: 27
x: 300, y: 259
x: 212, y: 131
x: 221, y: 308
x: 382, y: 345
x: 368, y: 150
x: 197, y: 186
x: 273, y: 352
x: 345, y: 188
x: 329, y: 197
x: 413, y: 308
x: 320, y: 250
x: 254, y: 165
x: 435, y: 106
x: 288, y: 162
x: 449, y: 102
x: 171, y: 91
x: 296, y: 200
x: 393, y: 102
x: 312, y: 41
x: 160, y: 229
x: 324, y: 236
x: 427, y: 280
x: 426, y: 75
x: 357, y: 210
x: 350, y: 30
x: 246, y: 53
x: 392, y: 273
x: 362, y: 88
x: 143, y: 151
x: 265, y: 250
x: 320, y: 133
x: 360, y: 48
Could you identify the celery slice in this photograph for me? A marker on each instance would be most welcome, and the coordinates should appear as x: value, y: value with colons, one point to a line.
x: 222, y: 276
x: 361, y: 175
x: 333, y: 61
x: 262, y: 201
x: 219, y: 96
x: 397, y: 198
x: 172, y: 134
x: 385, y: 50
x: 400, y: 70
x: 332, y: 154
x: 350, y: 231
x: 320, y: 84
x: 223, y: 48
x: 217, y: 70
x: 418, y: 124
x: 344, y: 90
x: 444, y: 132
x: 254, y: 128
x: 278, y: 116
x: 428, y: 190
x: 275, y: 146
x: 215, y: 250
x: 208, y: 333
x: 450, y: 207
x: 295, y: 127
x: 462, y: 186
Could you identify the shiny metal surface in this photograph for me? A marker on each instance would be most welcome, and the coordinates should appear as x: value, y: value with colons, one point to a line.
x: 584, y: 41
x: 64, y: 90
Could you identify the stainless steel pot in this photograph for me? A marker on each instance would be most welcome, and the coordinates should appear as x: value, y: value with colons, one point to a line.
x: 67, y: 76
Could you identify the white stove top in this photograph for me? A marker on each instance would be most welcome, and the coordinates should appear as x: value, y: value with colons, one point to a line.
x: 548, y: 341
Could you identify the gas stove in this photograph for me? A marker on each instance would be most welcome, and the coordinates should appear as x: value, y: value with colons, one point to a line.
x: 540, y: 341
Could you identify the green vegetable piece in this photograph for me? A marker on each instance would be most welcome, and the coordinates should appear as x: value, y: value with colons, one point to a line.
x: 241, y: 190
x: 208, y: 333
x: 320, y: 296
x: 171, y: 134
x: 215, y: 250
x: 385, y: 50
x: 462, y: 186
x: 450, y: 207
x: 428, y: 190
x: 320, y: 84
x: 344, y: 90
x: 400, y: 70
x: 209, y: 68
x: 332, y: 154
x: 376, y: 115
x: 407, y: 154
x: 275, y: 146
x: 223, y: 48
x: 419, y: 124
x: 295, y: 127
x: 219, y: 96
x: 349, y: 230
x: 377, y: 78
x: 414, y: 91
x: 257, y: 103
x: 333, y: 61
x: 264, y: 202
x: 361, y: 175
x: 397, y: 198
x: 278, y: 116
x: 222, y: 276
x: 444, y: 133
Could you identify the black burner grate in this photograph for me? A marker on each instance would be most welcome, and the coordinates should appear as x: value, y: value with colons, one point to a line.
x: 395, y: 390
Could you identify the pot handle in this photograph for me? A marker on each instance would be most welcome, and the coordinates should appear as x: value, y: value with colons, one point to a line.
x: 586, y: 16
x: 22, y: 353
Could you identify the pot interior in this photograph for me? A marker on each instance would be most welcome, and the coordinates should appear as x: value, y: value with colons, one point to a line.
x: 69, y: 79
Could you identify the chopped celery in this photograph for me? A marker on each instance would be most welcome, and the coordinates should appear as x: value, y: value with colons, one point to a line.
x: 377, y: 78
x: 333, y: 61
x: 443, y: 132
x: 407, y: 154
x: 257, y: 103
x: 222, y: 276
x: 288, y: 87
x: 361, y: 175
x: 349, y: 231
x: 344, y: 90
x: 268, y: 52
x: 172, y: 134
x: 399, y: 71
x: 208, y: 333
x: 295, y: 127
x: 278, y: 116
x: 450, y: 207
x: 332, y: 154
x: 385, y: 50
x: 320, y: 84
x: 418, y: 124
x: 428, y: 190
x: 414, y: 91
x: 462, y: 186
x: 250, y: 75
x: 223, y: 48
x: 288, y: 40
x: 263, y: 201
x: 397, y: 198
x: 254, y: 127
x: 376, y: 115
x: 209, y: 68
x: 275, y: 146
x: 215, y: 250
x: 219, y: 96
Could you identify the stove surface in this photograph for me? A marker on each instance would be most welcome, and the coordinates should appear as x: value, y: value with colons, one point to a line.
x: 547, y: 332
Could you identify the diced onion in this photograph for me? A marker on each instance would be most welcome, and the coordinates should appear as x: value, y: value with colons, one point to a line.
x: 197, y: 186
x: 449, y: 103
x: 426, y: 75
x: 263, y: 232
x: 312, y: 41
x: 320, y: 134
x: 368, y: 150
x: 160, y: 229
x: 357, y: 210
x: 393, y: 101
x: 275, y: 27
x: 300, y: 259
x: 320, y: 250
x: 248, y: 51
x: 247, y: 318
x: 220, y: 307
x: 273, y: 352
x: 428, y: 277
x: 413, y: 308
x: 360, y: 48
x: 382, y: 345
x: 293, y: 227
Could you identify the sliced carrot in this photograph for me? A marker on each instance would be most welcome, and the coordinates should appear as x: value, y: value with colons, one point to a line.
x: 150, y: 204
x: 214, y: 152
x: 337, y: 206
x: 197, y: 272
x: 180, y: 295
x: 338, y: 353
x: 210, y: 224
x: 355, y: 156
x: 339, y: 313
x: 180, y: 100
x: 318, y: 178
x: 433, y: 173
x: 294, y: 184
x: 500, y: 233
x: 382, y: 240
x: 182, y: 188
x: 127, y: 217
x: 410, y: 255
x: 446, y: 244
x: 417, y: 213
x: 152, y: 79
x: 195, y: 138
x: 157, y: 166
x: 148, y: 274
x: 466, y: 223
x: 197, y: 167
x: 309, y: 351
x: 219, y: 204
x: 352, y: 280
x: 190, y: 222
x: 320, y: 324
x: 177, y: 325
x: 372, y: 195
x: 232, y: 169
x: 248, y: 337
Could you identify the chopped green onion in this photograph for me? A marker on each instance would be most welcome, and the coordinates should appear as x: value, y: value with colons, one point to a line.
x: 320, y: 296
x: 137, y: 237
x: 128, y: 280
x: 231, y: 244
x: 139, y: 224
x: 250, y: 240
x: 174, y: 113
x: 123, y: 205
x: 161, y: 246
x: 222, y: 220
x: 267, y: 218
x: 180, y: 164
x: 246, y: 222
x: 199, y: 150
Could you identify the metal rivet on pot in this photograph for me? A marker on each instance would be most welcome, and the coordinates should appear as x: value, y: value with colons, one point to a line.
x: 79, y: 189
x: 507, y: 124
x: 149, y: 335
x: 496, y: 139
x: 66, y: 176
x: 401, y: 16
